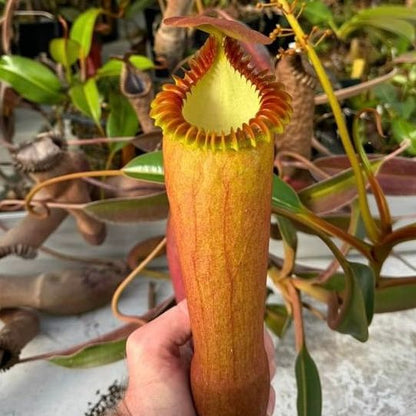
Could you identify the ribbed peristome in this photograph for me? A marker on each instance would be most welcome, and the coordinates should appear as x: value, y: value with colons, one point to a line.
x: 273, y: 112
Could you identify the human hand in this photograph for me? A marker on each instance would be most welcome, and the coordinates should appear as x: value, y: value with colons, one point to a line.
x: 158, y: 359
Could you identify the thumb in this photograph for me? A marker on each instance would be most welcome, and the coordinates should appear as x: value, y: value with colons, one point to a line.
x: 169, y: 331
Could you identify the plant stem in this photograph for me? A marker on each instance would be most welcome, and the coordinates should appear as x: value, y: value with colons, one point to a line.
x: 303, y: 41
x: 318, y: 293
x: 297, y: 316
x: 382, y: 205
x: 406, y: 233
x: 396, y: 281
x: 63, y: 178
x: 126, y: 282
x: 320, y: 226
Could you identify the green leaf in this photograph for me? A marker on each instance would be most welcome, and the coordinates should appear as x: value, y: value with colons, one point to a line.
x: 317, y: 12
x: 403, y: 129
x: 386, y: 93
x: 408, y: 106
x: 396, y: 12
x: 83, y: 29
x: 395, y: 298
x: 285, y: 197
x: 31, y: 79
x: 288, y: 232
x: 147, y: 167
x: 277, y: 318
x: 122, y: 120
x: 85, y: 98
x: 112, y: 68
x: 356, y: 311
x: 366, y: 281
x: 93, y: 356
x: 151, y: 207
x: 398, y: 27
x: 393, y: 19
x: 309, y: 402
x: 64, y: 51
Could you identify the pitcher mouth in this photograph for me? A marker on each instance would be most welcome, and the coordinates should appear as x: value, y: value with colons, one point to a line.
x: 222, y: 102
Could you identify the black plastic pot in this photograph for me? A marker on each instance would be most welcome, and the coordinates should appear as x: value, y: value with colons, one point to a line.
x: 32, y: 38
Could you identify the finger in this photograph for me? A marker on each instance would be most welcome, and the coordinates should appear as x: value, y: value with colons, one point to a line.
x: 272, y: 402
x: 270, y: 351
x: 170, y: 330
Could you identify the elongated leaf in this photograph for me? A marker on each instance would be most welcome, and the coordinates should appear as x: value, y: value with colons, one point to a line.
x: 333, y: 193
x: 147, y: 167
x: 94, y: 355
x: 112, y: 68
x: 122, y: 120
x: 31, y: 79
x: 85, y: 98
x: 82, y: 30
x: 64, y: 51
x: 277, y: 319
x: 357, y: 307
x: 395, y: 12
x: 398, y: 27
x: 395, y: 298
x: 397, y: 176
x: 309, y: 401
x: 283, y: 196
x: 126, y: 210
x: 393, y: 19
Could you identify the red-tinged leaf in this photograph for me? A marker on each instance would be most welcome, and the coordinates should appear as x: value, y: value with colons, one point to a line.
x: 397, y: 176
x: 230, y: 28
x: 333, y: 193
